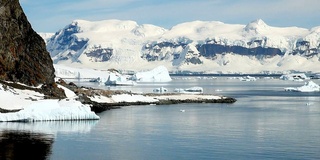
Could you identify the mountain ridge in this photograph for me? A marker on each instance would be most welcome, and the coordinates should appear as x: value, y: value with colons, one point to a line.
x: 208, y: 46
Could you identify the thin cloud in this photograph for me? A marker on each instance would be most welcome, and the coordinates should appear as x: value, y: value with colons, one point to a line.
x: 168, y: 13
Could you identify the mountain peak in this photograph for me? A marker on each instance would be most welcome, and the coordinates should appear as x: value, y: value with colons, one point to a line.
x: 257, y: 26
x: 259, y: 22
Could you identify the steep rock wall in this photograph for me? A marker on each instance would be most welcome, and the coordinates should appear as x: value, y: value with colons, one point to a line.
x: 23, y: 54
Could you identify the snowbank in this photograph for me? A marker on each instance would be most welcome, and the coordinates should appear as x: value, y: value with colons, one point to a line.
x: 123, y: 98
x: 13, y: 99
x: 307, y: 87
x: 152, y: 98
x: 51, y: 110
x: 159, y: 74
x: 33, y: 106
x: 188, y: 97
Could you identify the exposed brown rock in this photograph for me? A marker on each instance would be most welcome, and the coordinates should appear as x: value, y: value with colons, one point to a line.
x: 23, y: 55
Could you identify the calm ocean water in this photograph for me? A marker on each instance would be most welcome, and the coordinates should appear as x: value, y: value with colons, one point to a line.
x: 265, y: 123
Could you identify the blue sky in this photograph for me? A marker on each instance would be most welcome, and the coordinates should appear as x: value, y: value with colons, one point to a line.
x: 52, y: 15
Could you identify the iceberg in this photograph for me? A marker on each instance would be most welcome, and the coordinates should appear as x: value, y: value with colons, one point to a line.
x: 159, y: 74
x: 119, y: 80
x: 294, y: 77
x: 192, y: 90
x: 97, y: 80
x: 309, y: 86
x: 160, y: 90
x: 247, y: 78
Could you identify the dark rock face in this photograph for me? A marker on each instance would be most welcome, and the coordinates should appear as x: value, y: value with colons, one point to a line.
x: 211, y: 50
x: 303, y: 48
x: 23, y: 54
x: 99, y: 54
x: 153, y: 52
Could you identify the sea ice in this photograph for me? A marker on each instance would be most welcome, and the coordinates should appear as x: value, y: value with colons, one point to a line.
x: 294, y: 77
x: 309, y: 86
x: 120, y: 80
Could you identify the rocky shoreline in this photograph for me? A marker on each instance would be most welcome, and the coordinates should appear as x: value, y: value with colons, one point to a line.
x: 87, y: 95
x: 84, y: 94
x: 100, y: 107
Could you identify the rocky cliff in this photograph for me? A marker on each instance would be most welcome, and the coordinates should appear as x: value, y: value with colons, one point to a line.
x: 23, y: 55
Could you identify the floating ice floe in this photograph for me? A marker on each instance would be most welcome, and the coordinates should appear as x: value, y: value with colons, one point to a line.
x: 98, y: 80
x: 309, y: 86
x: 160, y: 90
x: 294, y: 77
x: 247, y: 78
x: 192, y: 90
x: 51, y: 110
x: 119, y: 80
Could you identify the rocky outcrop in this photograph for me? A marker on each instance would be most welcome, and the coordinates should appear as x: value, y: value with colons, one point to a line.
x: 23, y: 55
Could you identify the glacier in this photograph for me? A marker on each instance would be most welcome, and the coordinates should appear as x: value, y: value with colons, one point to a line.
x: 198, y: 46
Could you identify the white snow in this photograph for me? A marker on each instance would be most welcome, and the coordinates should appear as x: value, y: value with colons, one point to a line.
x: 13, y: 99
x: 51, y: 110
x: 247, y: 78
x: 309, y: 86
x: 68, y: 92
x: 132, y: 98
x: 151, y: 99
x: 191, y: 90
x: 188, y: 96
x: 33, y: 106
x: 127, y: 39
x: 46, y: 36
x: 159, y: 74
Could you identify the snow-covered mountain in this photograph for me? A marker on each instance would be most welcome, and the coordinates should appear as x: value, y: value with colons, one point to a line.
x: 46, y: 36
x: 212, y: 47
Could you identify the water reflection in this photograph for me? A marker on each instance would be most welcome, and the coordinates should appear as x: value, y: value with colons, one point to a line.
x: 35, y: 140
x: 25, y: 145
x: 51, y: 127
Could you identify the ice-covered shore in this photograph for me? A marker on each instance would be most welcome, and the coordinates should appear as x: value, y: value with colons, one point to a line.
x: 33, y: 106
x: 30, y: 105
x: 51, y: 110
